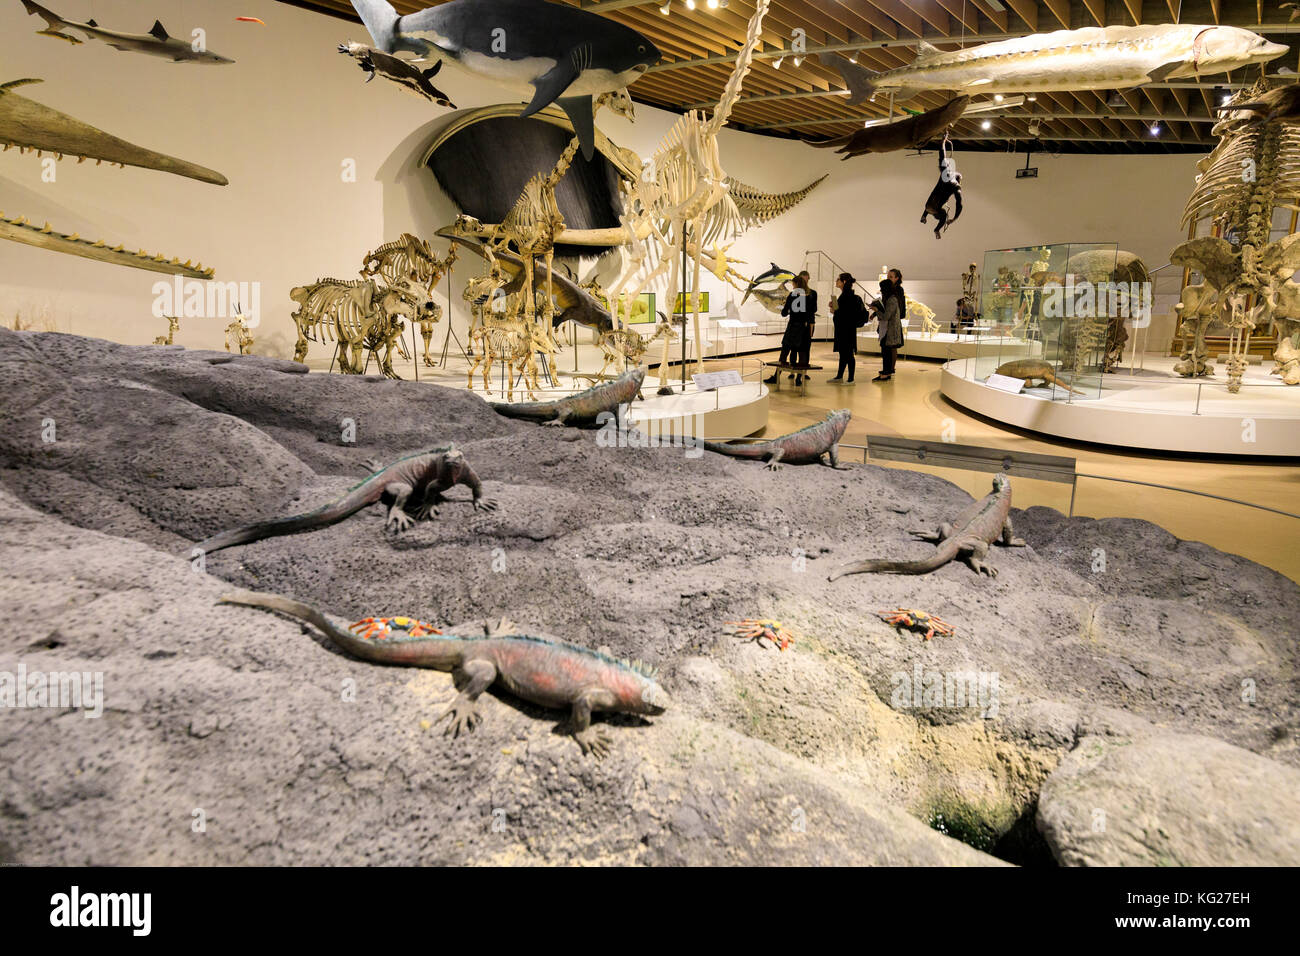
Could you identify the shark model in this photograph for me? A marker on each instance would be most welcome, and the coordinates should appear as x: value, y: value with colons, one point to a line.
x: 1095, y: 58
x: 154, y: 43
x: 911, y: 133
x: 549, y: 52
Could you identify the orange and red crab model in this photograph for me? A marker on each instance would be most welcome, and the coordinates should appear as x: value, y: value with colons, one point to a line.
x: 756, y: 630
x: 915, y: 620
x: 380, y: 628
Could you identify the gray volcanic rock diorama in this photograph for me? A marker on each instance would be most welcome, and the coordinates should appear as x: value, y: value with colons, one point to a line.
x: 1113, y: 695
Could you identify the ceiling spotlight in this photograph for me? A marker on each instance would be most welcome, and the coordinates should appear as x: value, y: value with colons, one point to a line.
x: 798, y: 60
x: 713, y: 4
x: 1032, y: 97
x: 779, y: 61
x: 853, y: 57
x: 986, y: 125
x: 690, y: 4
x: 1034, y: 127
x: 1155, y: 129
x: 666, y: 9
x: 997, y: 97
x: 1225, y: 99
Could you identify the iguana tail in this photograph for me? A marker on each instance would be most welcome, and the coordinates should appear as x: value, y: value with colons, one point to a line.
x: 739, y: 449
x: 942, y: 555
x: 331, y: 514
x: 414, y: 652
x: 304, y: 612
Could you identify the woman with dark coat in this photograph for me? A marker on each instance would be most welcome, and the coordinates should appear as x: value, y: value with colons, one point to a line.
x: 801, y: 311
x: 850, y: 315
x: 890, y: 327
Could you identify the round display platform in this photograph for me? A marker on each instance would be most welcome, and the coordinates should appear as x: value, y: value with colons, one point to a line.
x: 946, y: 345
x: 1150, y: 408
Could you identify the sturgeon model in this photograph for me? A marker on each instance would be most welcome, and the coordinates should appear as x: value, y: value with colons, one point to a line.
x: 549, y: 52
x: 536, y: 667
x: 156, y: 42
x: 1094, y: 58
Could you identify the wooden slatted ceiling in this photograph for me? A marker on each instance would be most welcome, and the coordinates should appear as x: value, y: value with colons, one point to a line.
x: 803, y: 98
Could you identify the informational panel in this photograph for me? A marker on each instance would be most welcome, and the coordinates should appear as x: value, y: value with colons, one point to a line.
x: 1005, y: 383
x: 708, y: 381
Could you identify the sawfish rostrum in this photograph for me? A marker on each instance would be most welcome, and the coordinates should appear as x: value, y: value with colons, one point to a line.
x: 552, y: 53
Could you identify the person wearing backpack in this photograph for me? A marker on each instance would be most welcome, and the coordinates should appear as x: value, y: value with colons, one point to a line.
x: 850, y: 315
x: 800, y: 309
x: 893, y: 302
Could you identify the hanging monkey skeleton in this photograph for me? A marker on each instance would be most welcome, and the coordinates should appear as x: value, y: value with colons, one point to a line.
x: 948, y: 187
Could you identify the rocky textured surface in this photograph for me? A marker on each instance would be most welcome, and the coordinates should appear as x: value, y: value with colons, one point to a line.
x: 233, y: 736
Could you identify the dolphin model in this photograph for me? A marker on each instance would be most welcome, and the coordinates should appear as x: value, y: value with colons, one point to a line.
x: 1094, y: 58
x: 154, y: 43
x: 775, y: 275
x: 911, y: 133
x: 549, y: 52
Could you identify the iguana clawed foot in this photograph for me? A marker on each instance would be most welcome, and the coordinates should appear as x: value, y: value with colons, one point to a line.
x: 464, y: 718
x: 485, y: 504
x: 593, y: 741
x: 372, y: 465
x: 398, y: 521
x: 427, y: 511
x: 554, y: 423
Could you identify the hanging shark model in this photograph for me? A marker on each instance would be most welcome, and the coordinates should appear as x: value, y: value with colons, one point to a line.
x: 911, y: 133
x: 154, y: 43
x: 1095, y: 58
x: 550, y: 52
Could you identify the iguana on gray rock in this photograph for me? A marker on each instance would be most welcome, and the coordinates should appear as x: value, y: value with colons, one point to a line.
x: 582, y: 408
x: 417, y: 481
x: 1031, y: 370
x: 969, y: 536
x: 807, y: 446
x: 538, y: 668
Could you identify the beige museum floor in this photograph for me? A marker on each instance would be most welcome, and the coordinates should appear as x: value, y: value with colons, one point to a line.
x: 911, y: 406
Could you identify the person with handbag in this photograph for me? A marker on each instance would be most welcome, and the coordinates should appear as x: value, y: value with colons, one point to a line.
x: 800, y: 309
x: 890, y: 323
x: 850, y: 315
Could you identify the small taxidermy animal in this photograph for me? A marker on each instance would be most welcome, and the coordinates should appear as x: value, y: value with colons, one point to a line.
x: 154, y: 43
x: 948, y: 186
x: 402, y: 72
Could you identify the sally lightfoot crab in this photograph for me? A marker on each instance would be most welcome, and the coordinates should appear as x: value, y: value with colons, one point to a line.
x: 757, y: 629
x: 916, y: 620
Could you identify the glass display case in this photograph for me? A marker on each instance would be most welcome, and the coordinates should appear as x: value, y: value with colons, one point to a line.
x: 1062, y: 297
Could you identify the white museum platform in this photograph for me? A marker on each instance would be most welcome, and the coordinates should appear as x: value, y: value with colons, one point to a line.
x: 1149, y: 408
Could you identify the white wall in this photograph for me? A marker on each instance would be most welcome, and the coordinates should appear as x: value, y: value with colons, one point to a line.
x: 281, y: 121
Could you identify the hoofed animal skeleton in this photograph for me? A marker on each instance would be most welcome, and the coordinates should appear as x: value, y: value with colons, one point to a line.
x: 409, y: 263
x: 624, y: 348
x: 173, y: 326
x: 359, y: 313
x: 240, y: 336
x: 1254, y: 168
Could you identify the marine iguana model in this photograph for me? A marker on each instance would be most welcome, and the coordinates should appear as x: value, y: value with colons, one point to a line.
x: 541, y: 669
x: 154, y: 43
x: 1031, y: 370
x: 402, y: 72
x: 969, y: 536
x: 411, y: 485
x: 551, y: 52
x: 807, y: 446
x: 583, y: 408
